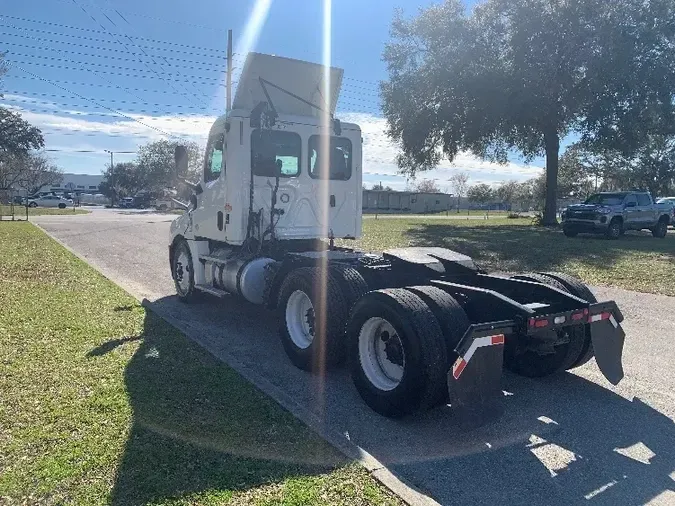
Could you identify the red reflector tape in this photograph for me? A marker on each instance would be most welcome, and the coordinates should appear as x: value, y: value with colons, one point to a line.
x: 458, y: 367
x: 541, y: 323
x: 498, y: 339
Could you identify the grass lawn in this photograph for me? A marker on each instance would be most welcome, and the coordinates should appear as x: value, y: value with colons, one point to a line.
x: 20, y: 211
x: 103, y: 402
x: 636, y: 261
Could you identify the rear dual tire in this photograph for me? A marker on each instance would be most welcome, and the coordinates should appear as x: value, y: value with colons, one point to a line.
x: 565, y: 356
x: 397, y: 352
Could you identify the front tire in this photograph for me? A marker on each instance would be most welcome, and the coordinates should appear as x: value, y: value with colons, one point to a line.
x: 62, y: 206
x: 182, y: 270
x: 32, y: 204
x: 397, y: 353
x: 312, y: 330
x: 614, y: 229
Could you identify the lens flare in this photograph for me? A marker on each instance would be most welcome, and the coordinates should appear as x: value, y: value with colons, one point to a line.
x: 249, y: 38
x: 324, y: 189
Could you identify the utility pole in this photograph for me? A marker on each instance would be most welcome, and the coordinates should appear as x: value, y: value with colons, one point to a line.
x: 112, y: 170
x: 229, y: 71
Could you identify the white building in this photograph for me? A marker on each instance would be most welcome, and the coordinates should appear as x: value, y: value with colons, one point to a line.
x: 80, y: 183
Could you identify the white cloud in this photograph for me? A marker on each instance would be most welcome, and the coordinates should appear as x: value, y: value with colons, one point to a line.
x: 379, y: 160
x: 74, y: 130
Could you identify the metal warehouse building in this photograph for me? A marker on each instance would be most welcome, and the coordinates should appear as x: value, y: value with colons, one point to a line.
x: 406, y: 202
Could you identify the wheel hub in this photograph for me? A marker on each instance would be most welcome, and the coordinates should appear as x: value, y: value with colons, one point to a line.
x: 381, y: 354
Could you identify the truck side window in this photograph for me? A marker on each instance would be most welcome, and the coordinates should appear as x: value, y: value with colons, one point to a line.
x: 630, y: 198
x: 213, y: 161
x: 643, y: 199
x: 271, y: 149
x: 336, y: 164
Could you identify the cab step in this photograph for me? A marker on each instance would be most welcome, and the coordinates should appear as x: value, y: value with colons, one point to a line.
x: 211, y: 290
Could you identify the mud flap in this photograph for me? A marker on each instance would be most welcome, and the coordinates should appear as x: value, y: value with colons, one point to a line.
x: 474, y: 381
x: 608, y: 337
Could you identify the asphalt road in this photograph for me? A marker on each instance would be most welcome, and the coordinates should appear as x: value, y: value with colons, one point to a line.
x: 564, y: 440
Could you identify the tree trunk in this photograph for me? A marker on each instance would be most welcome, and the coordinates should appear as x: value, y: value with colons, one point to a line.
x: 552, y: 145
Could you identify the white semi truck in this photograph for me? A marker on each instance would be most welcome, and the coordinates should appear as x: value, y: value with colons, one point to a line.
x: 419, y: 326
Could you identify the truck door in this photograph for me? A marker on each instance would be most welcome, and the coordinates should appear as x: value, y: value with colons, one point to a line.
x: 208, y: 216
x: 646, y: 211
x: 631, y: 214
x: 332, y: 168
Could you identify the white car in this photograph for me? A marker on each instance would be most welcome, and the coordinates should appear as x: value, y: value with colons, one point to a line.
x: 50, y: 201
x: 671, y: 202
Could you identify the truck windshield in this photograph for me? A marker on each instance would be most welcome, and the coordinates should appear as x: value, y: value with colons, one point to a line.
x: 606, y: 199
x: 339, y: 161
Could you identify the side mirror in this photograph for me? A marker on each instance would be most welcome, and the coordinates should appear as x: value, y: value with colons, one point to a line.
x: 181, y: 161
x: 630, y: 204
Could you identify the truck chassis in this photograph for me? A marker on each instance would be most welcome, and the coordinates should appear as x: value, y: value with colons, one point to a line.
x: 419, y: 326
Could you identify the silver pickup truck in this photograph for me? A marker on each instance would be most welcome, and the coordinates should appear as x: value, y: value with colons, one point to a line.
x: 612, y: 213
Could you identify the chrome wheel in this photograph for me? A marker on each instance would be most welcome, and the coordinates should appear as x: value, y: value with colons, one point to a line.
x: 381, y: 354
x: 300, y: 319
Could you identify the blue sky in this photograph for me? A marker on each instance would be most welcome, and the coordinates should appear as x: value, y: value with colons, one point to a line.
x: 162, y: 66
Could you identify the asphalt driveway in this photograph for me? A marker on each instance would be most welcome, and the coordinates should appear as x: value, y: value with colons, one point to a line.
x: 565, y: 440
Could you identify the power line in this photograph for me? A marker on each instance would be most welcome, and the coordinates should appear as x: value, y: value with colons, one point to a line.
x: 96, y: 39
x: 125, y: 46
x: 93, y: 101
x: 53, y: 95
x: 94, y: 85
x: 65, y: 67
x: 103, y: 33
x: 216, y: 66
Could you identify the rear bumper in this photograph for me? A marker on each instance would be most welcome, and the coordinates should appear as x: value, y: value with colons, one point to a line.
x: 474, y: 380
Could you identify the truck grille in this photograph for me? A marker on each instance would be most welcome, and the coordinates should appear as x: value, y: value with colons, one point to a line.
x: 581, y: 215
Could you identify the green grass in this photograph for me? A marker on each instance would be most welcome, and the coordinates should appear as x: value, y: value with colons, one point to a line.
x: 636, y: 261
x: 102, y: 402
x: 20, y: 211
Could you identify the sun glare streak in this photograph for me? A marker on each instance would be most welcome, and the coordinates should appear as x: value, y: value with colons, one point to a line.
x: 324, y: 168
x: 249, y: 39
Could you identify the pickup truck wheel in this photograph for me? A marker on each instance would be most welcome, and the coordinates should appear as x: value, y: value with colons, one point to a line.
x: 313, y: 323
x: 397, y: 353
x: 614, y: 229
x: 661, y: 228
x: 521, y: 358
x: 183, y: 273
x: 570, y: 232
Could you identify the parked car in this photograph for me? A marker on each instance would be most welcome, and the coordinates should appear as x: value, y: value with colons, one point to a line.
x: 126, y: 203
x: 671, y: 202
x: 49, y: 201
x: 612, y: 213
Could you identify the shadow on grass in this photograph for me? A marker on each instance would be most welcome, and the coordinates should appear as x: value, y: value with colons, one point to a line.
x: 529, y: 248
x: 199, y: 428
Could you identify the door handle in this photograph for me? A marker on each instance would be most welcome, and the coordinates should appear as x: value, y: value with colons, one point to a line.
x: 332, y: 200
